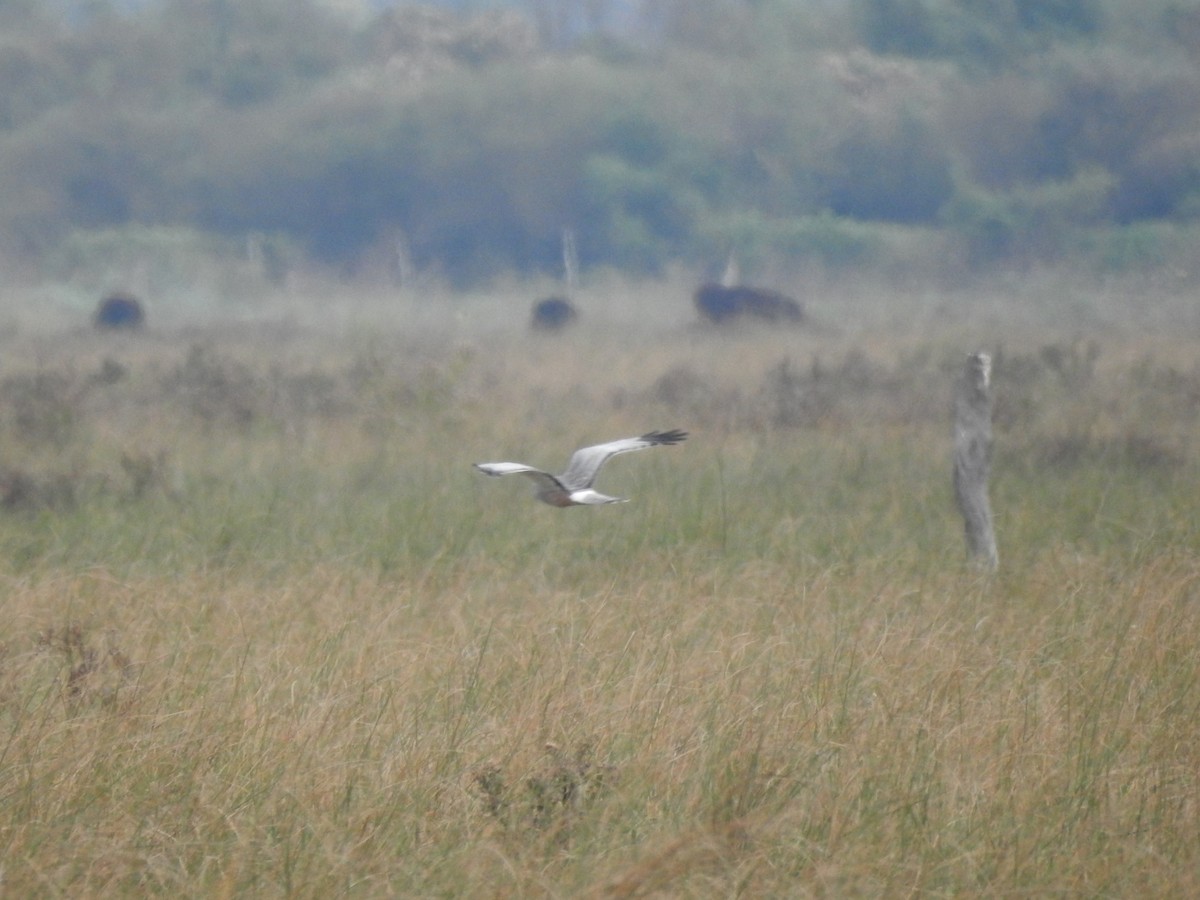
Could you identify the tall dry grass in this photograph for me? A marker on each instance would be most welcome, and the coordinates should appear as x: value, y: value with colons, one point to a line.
x: 267, y: 633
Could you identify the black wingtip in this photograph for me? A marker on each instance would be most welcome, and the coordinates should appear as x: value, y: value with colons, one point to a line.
x: 665, y: 437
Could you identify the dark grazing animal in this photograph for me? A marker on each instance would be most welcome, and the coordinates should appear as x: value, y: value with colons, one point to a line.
x: 119, y: 312
x: 721, y: 305
x: 553, y: 314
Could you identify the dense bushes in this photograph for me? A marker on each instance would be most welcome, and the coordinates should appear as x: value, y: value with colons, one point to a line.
x: 786, y: 135
x: 984, y: 34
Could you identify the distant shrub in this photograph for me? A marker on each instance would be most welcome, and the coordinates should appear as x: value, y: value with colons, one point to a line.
x: 553, y: 314
x: 824, y: 238
x: 119, y: 312
x: 214, y: 388
x: 1028, y: 223
x: 687, y: 391
x: 640, y: 217
x: 975, y: 33
x: 40, y: 408
x: 556, y: 794
x: 172, y: 261
x: 94, y: 675
x: 1135, y: 450
x: 986, y: 224
x: 895, y: 174
x: 833, y: 240
x: 22, y: 492
x: 1131, y: 248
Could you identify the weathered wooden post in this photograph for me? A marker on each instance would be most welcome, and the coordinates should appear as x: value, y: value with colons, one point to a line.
x: 973, y: 458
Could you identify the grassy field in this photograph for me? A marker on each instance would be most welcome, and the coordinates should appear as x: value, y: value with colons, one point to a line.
x: 266, y: 633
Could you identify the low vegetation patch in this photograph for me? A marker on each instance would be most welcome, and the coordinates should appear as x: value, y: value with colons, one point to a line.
x: 268, y: 633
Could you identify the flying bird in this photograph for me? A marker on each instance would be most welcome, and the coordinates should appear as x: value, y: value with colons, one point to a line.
x: 574, y: 486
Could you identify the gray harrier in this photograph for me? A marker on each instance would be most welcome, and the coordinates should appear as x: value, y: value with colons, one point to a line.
x: 574, y: 486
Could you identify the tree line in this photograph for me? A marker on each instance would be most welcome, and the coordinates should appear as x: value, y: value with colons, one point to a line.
x: 466, y: 137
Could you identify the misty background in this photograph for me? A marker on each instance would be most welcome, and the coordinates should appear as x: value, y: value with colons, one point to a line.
x: 455, y: 141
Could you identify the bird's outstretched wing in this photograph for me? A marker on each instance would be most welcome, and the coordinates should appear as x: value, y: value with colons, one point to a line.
x: 545, y: 480
x: 586, y: 462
